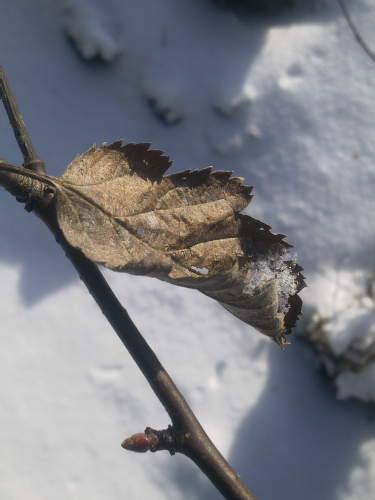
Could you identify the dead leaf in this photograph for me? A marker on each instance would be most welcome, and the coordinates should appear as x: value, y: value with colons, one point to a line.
x: 115, y: 204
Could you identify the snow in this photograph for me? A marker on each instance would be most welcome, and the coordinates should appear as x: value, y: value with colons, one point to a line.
x: 83, y: 26
x: 362, y: 485
x: 288, y: 104
x: 361, y: 384
x: 275, y: 264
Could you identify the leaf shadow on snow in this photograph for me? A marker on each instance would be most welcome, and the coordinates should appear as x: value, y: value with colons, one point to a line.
x: 299, y: 441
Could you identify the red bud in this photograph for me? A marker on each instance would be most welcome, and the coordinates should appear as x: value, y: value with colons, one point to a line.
x: 140, y: 442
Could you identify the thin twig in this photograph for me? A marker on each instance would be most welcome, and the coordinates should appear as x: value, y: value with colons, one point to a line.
x: 31, y: 160
x: 356, y: 33
x: 191, y: 439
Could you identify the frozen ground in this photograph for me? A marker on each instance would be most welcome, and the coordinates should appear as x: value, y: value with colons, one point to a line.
x: 288, y: 103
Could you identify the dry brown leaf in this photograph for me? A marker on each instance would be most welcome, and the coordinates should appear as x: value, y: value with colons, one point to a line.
x: 115, y: 204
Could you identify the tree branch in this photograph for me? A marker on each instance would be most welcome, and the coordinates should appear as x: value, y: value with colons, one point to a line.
x: 31, y: 160
x: 191, y: 439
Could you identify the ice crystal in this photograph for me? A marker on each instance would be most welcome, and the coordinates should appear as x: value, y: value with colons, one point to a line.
x: 276, y: 265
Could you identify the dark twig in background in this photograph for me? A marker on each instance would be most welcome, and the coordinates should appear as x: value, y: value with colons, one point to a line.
x: 189, y: 438
x: 356, y: 33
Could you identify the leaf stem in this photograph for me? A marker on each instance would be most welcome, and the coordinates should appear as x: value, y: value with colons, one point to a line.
x: 31, y: 160
x: 194, y: 442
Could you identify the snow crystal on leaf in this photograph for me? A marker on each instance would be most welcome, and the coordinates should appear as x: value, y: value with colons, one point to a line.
x: 276, y: 265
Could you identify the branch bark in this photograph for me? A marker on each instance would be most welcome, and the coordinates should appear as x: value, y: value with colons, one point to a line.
x: 31, y: 160
x: 192, y: 440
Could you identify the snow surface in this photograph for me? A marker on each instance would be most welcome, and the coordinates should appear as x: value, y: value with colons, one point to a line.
x: 288, y: 104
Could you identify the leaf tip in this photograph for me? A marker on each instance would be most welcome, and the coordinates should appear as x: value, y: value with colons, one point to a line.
x: 281, y: 341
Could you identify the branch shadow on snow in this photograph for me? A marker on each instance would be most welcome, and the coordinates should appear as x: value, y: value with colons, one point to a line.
x: 306, y: 440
